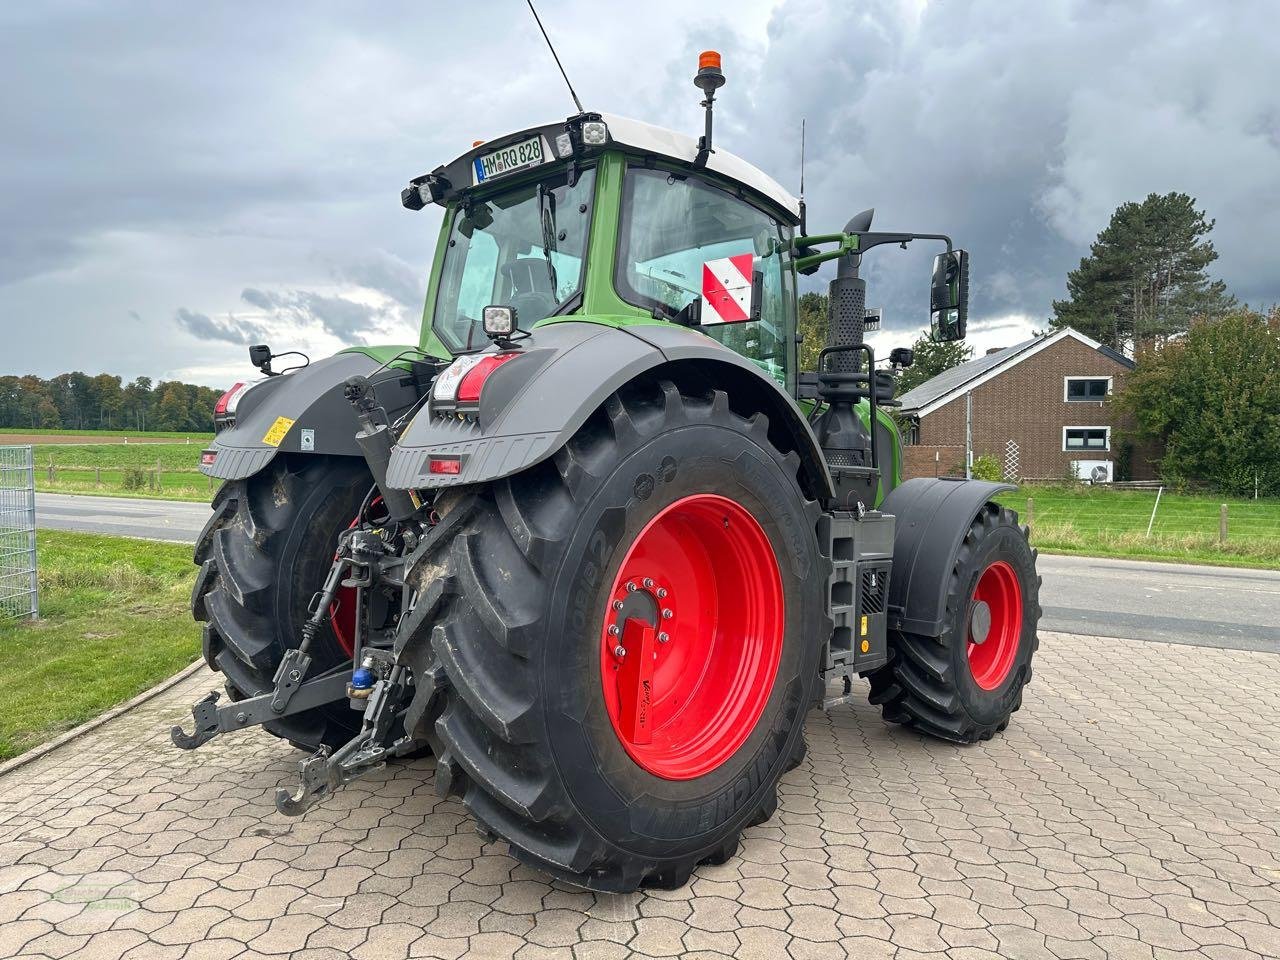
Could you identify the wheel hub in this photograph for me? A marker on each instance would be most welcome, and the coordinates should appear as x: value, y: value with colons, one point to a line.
x: 994, y: 629
x: 692, y: 636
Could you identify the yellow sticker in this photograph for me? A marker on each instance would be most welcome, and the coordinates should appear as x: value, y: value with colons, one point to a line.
x: 278, y: 429
x: 864, y: 626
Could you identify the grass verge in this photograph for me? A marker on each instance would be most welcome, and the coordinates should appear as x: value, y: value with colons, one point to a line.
x: 114, y: 622
x: 123, y: 470
x: 1098, y: 522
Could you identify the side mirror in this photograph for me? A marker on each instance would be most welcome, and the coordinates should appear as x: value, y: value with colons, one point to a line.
x: 949, y: 296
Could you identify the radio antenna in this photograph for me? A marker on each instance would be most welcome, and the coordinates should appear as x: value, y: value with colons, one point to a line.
x: 804, y: 224
x: 802, y: 119
x: 551, y: 47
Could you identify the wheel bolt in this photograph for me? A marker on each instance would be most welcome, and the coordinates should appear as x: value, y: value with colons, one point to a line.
x: 667, y: 614
x: 664, y: 637
x: 648, y: 583
x: 617, y: 604
x: 619, y: 651
x: 662, y: 593
x: 631, y: 587
x: 614, y: 631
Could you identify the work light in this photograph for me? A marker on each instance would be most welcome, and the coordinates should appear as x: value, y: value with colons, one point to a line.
x: 499, y: 321
x: 594, y: 133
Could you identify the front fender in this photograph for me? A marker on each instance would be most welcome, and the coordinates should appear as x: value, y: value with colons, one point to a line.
x: 272, y: 416
x: 533, y: 405
x: 932, y: 517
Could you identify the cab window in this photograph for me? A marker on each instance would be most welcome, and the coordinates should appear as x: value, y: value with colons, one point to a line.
x: 674, y: 226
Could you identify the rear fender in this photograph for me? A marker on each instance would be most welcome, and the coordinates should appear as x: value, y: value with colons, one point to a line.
x: 932, y: 517
x: 272, y: 416
x: 533, y: 405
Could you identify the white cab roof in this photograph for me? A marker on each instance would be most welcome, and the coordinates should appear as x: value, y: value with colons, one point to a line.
x: 678, y: 146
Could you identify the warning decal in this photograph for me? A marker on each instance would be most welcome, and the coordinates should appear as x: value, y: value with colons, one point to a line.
x: 278, y: 429
x: 726, y: 289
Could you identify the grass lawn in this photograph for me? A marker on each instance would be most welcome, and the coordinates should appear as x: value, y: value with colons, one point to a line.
x: 1095, y: 521
x: 78, y: 467
x: 114, y: 622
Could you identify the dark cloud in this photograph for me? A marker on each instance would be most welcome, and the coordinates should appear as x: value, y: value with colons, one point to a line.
x: 133, y: 177
x: 228, y: 330
x: 1019, y: 134
x: 256, y: 298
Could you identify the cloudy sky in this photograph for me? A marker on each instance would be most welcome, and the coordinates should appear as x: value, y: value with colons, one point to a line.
x: 180, y: 179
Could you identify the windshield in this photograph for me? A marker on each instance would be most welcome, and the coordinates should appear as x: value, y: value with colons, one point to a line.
x: 523, y: 248
x: 677, y: 231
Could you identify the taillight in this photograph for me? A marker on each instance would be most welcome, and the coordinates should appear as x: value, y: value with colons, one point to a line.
x: 463, y: 381
x: 226, y: 405
x: 472, y: 384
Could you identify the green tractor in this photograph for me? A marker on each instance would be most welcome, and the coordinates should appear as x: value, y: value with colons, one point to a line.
x: 595, y: 542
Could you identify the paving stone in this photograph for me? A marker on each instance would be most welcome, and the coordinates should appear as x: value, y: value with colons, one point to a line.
x: 1128, y: 811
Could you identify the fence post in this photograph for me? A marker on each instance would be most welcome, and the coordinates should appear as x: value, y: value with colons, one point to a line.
x: 158, y: 483
x: 1031, y: 511
x: 97, y: 476
x: 1159, y: 494
x: 1222, y: 524
x: 51, y: 468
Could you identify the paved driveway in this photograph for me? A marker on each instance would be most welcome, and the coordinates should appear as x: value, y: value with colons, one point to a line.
x: 1130, y: 811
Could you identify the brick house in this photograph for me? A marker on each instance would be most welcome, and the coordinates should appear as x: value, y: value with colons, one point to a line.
x: 1045, y: 402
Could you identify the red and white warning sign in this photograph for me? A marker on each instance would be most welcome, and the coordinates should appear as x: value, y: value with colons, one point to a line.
x: 726, y: 289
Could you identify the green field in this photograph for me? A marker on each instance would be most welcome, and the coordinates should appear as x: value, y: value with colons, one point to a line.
x: 1101, y: 522
x: 100, y: 468
x: 114, y: 622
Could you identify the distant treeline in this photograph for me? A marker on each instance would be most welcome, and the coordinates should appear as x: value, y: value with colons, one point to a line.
x: 77, y: 401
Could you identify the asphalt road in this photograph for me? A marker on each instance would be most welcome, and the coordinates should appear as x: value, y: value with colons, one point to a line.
x: 1176, y: 603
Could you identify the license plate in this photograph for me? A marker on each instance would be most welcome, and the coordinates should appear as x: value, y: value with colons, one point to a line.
x: 518, y: 156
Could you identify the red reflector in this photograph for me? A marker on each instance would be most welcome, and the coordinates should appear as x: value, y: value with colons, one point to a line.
x: 445, y: 466
x: 220, y: 408
x: 473, y: 383
x: 207, y: 457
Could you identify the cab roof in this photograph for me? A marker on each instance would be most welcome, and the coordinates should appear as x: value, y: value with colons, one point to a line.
x: 636, y: 136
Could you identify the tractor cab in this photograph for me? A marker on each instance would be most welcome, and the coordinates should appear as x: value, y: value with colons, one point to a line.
x: 612, y: 221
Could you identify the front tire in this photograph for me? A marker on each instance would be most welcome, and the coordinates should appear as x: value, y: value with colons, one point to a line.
x: 516, y: 600
x: 965, y: 684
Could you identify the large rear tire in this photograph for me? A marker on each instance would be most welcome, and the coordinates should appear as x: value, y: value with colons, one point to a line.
x: 664, y: 501
x: 263, y: 554
x: 965, y: 684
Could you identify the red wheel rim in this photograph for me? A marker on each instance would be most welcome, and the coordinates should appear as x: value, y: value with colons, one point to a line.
x: 692, y: 637
x: 991, y: 659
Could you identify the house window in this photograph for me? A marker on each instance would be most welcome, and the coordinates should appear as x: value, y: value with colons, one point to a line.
x: 1086, y: 438
x: 1086, y: 389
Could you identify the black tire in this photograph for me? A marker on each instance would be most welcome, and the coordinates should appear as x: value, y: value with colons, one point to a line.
x: 513, y: 586
x: 263, y: 554
x: 927, y: 683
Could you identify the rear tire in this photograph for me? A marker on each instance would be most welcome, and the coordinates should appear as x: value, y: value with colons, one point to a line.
x: 263, y: 554
x: 948, y: 686
x: 515, y: 586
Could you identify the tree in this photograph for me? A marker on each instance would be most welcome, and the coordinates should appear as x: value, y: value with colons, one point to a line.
x: 930, y: 360
x: 1145, y: 277
x: 811, y: 323
x: 1212, y: 398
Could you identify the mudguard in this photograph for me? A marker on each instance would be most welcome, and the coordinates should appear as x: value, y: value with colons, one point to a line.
x: 532, y: 405
x: 272, y: 416
x: 932, y: 517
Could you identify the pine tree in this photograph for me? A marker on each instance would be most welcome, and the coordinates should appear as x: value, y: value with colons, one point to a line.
x: 930, y: 360
x: 1145, y: 277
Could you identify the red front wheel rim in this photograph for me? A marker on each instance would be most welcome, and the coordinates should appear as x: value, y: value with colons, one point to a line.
x: 994, y: 635
x: 692, y: 637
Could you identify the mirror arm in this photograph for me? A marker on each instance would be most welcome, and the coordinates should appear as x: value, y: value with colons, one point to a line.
x: 853, y: 243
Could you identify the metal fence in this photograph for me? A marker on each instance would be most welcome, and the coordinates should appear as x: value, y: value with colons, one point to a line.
x: 18, y: 593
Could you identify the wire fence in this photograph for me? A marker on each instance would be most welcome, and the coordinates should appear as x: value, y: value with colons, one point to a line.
x: 19, y: 597
x: 1141, y: 513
